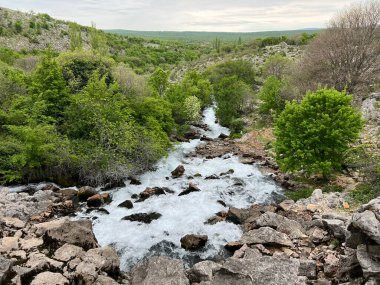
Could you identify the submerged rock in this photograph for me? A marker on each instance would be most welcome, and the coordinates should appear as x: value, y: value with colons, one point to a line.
x: 192, y: 188
x: 178, y: 172
x: 146, y: 218
x: 193, y: 242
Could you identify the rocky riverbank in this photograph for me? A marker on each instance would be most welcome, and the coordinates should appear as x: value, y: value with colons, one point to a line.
x: 307, y: 242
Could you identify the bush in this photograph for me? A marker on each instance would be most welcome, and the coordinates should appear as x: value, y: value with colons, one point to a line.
x: 243, y: 70
x: 270, y: 96
x: 299, y: 194
x: 276, y: 65
x: 314, y: 135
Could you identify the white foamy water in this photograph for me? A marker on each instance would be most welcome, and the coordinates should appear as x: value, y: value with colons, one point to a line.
x: 187, y: 214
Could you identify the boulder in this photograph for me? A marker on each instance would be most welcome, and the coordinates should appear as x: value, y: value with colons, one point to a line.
x: 50, y: 278
x: 193, y: 242
x: 222, y: 136
x: 178, y: 172
x: 126, y: 204
x: 86, y: 192
x: 68, y: 252
x: 146, y: 218
x: 134, y: 180
x: 159, y: 270
x: 367, y: 223
x: 282, y: 224
x: 104, y: 259
x: 192, y: 188
x: 237, y: 216
x: 317, y: 235
x: 369, y: 259
x: 202, y: 271
x: 336, y: 227
x: 266, y: 235
x: 98, y: 200
x: 308, y: 268
x: 78, y: 233
x: 331, y: 265
x: 5, y: 269
x: 105, y: 280
x: 264, y: 270
x: 149, y: 192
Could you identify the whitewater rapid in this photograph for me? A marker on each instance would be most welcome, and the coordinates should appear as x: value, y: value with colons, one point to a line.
x: 187, y: 214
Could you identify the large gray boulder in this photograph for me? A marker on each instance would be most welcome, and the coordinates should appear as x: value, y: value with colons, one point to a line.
x: 369, y: 259
x: 282, y: 224
x: 5, y: 269
x: 336, y: 227
x: 50, y: 278
x: 203, y: 271
x: 367, y: 223
x: 159, y: 270
x: 266, y: 235
x: 265, y: 270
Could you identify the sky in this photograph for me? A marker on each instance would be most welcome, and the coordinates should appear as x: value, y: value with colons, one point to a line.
x: 188, y: 15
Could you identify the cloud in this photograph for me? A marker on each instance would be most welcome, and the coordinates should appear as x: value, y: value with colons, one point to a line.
x: 189, y: 15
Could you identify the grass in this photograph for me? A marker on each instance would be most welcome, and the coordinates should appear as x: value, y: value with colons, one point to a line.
x: 365, y: 193
x: 299, y: 194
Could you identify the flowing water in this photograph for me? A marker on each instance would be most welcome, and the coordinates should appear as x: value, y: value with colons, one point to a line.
x: 187, y: 214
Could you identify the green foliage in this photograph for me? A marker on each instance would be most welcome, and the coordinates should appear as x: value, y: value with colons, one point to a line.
x: 8, y: 56
x: 18, y: 27
x: 192, y: 109
x: 314, y: 135
x: 229, y: 96
x: 77, y: 68
x: 76, y: 41
x: 276, y: 65
x: 270, y: 96
x: 242, y: 69
x: 197, y: 85
x: 365, y: 193
x: 98, y: 41
x: 299, y: 194
x: 159, y: 81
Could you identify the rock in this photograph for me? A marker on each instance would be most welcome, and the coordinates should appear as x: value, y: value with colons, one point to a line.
x: 38, y: 262
x: 193, y: 242
x: 221, y: 202
x: 190, y: 189
x: 86, y: 192
x: 318, y: 235
x: 212, y: 177
x: 223, y: 136
x: 112, y: 184
x: 104, y: 259
x: 49, y: 278
x: 134, y: 180
x: 282, y: 224
x: 231, y: 171
x: 266, y: 235
x: 233, y: 245
x: 159, y: 270
x: 149, y: 192
x: 50, y: 187
x: 366, y: 223
x: 68, y: 252
x: 104, y: 280
x: 308, y: 268
x: 237, y: 216
x: 31, y: 243
x: 252, y: 253
x: 312, y: 208
x: 336, y: 227
x: 146, y: 218
x: 264, y: 270
x: 8, y: 244
x: 207, y: 139
x: 78, y: 233
x: 13, y: 222
x: 178, y: 172
x: 98, y: 200
x: 126, y: 204
x: 369, y: 259
x: 286, y: 205
x: 5, y: 269
x: 331, y: 265
x: 202, y: 271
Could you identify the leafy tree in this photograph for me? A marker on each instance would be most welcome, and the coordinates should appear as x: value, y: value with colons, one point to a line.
x: 98, y: 41
x: 18, y: 27
x: 242, y: 69
x: 197, y: 85
x: 49, y: 86
x: 270, y: 96
x: 192, y: 109
x: 314, y: 135
x: 276, y: 65
x: 159, y: 81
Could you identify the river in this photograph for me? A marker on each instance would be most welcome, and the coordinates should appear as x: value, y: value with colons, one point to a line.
x: 187, y: 214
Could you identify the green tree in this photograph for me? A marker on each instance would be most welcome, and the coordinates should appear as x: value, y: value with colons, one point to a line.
x: 49, y: 86
x: 159, y: 81
x: 18, y: 26
x: 98, y: 41
x: 241, y: 68
x: 314, y: 135
x: 270, y: 96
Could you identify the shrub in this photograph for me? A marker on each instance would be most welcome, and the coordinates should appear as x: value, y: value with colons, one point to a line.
x: 314, y: 135
x: 270, y: 96
x: 299, y: 194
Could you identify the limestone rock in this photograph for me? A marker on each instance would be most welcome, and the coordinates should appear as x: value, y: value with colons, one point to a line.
x: 78, y: 233
x: 126, y: 204
x: 159, y: 270
x: 149, y: 192
x: 178, y: 172
x: 86, y: 192
x: 266, y: 235
x: 367, y: 223
x: 202, y: 271
x: 336, y: 227
x: 192, y: 188
x: 49, y: 278
x: 68, y: 252
x: 369, y: 259
x: 5, y: 269
x: 146, y: 218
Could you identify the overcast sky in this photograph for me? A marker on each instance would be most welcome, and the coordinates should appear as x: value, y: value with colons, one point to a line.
x: 189, y: 15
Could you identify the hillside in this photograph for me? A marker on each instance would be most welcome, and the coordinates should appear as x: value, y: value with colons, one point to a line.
x: 210, y: 36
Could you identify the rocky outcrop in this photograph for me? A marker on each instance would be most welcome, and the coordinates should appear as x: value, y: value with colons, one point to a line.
x: 193, y: 242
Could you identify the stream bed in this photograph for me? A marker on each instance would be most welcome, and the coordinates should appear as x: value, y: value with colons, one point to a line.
x: 186, y: 214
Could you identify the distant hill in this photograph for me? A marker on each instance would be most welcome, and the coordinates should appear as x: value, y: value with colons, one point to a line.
x: 209, y: 36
